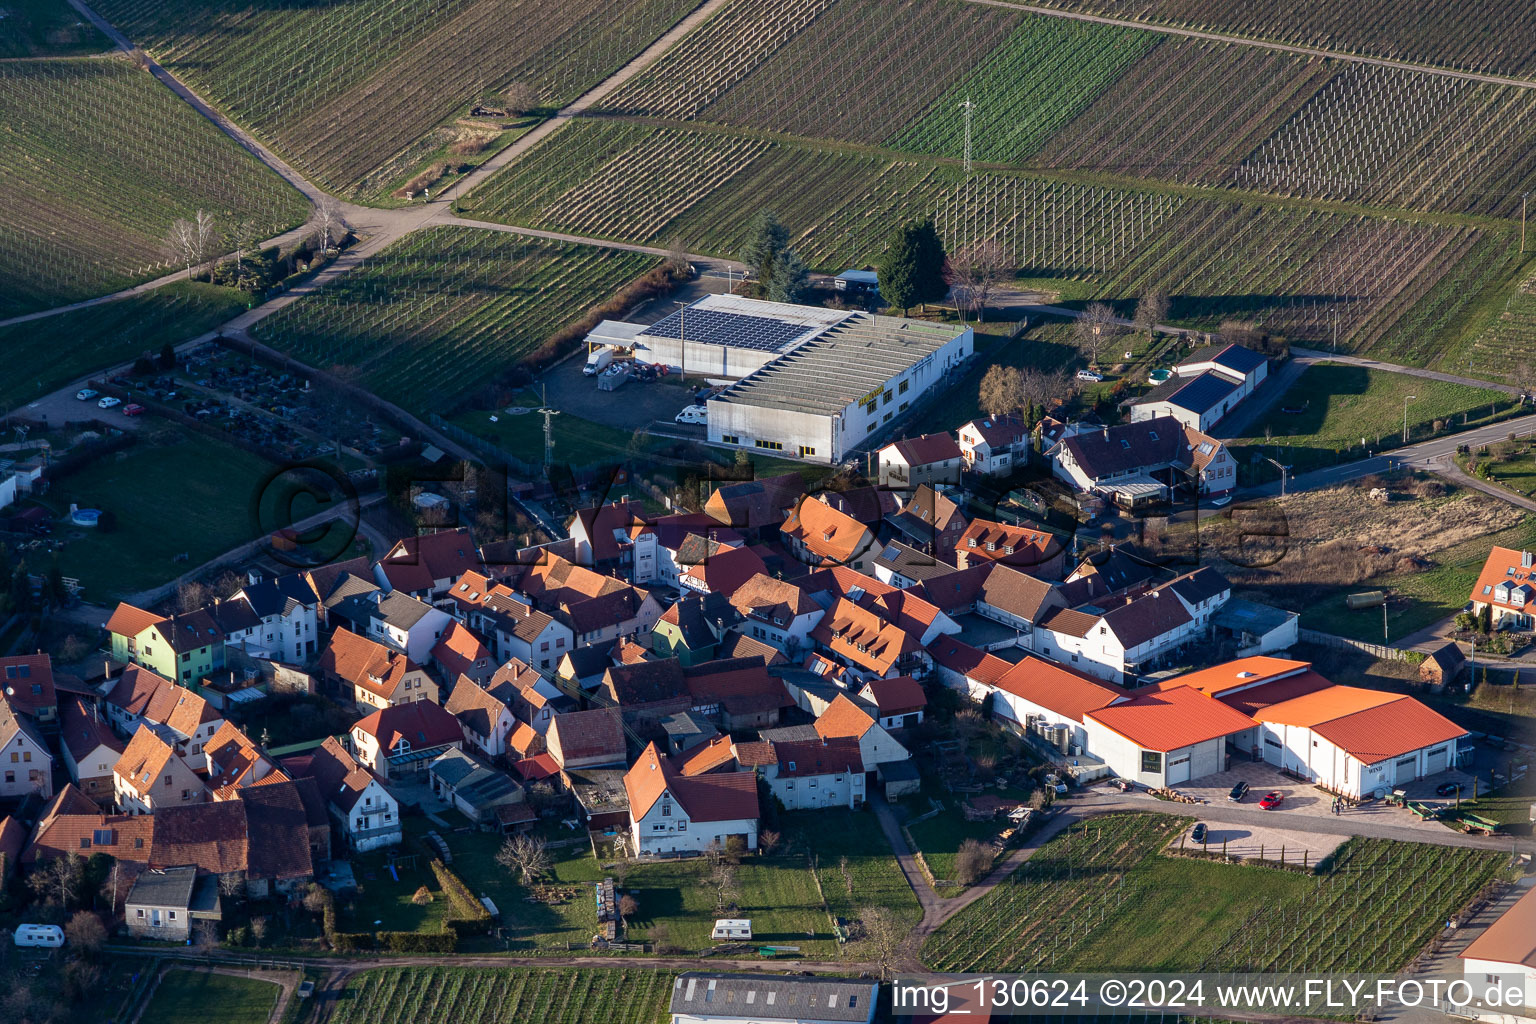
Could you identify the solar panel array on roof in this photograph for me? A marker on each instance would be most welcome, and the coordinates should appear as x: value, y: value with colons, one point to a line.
x: 737, y: 330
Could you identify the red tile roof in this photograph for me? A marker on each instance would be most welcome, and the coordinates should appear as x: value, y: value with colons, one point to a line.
x: 705, y: 758
x: 1171, y: 719
x: 799, y: 758
x: 959, y: 656
x: 720, y: 796
x: 28, y: 682
x: 539, y: 766
x: 582, y: 734
x: 416, y: 563
x: 1370, y: 725
x: 896, y: 696
x: 460, y: 651
x: 475, y: 708
x: 83, y: 731
x: 927, y: 449
x: 862, y: 637
x: 1057, y: 688
x: 726, y: 570
x: 129, y: 621
x: 420, y: 723
x: 362, y: 662
x: 833, y: 536
x: 766, y: 598
x: 1023, y: 547
x: 843, y: 719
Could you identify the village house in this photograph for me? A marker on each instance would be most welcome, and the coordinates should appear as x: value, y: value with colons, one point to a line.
x: 426, y: 565
x: 367, y: 815
x: 509, y: 621
x: 928, y: 521
x: 461, y: 653
x: 819, y: 535
x: 1026, y: 548
x: 777, y: 613
x: 487, y: 723
x: 668, y: 546
x: 673, y: 813
x: 236, y: 762
x: 1507, y: 588
x: 402, y: 739
x: 371, y: 675
x: 846, y: 720
x: 534, y: 699
x: 150, y: 776
x: 287, y: 608
x: 90, y: 748
x: 812, y: 774
x: 994, y: 445
x: 1142, y: 463
x: 183, y: 648
x: 337, y: 581
x: 138, y: 696
x: 914, y: 461
x: 757, y: 508
x: 690, y: 630
x: 901, y: 566
x: 1205, y: 386
x: 27, y: 682
x: 598, y: 609
x: 480, y: 793
x: 899, y: 701
x: 738, y: 694
x: 26, y: 766
x: 711, y: 567
x: 164, y: 903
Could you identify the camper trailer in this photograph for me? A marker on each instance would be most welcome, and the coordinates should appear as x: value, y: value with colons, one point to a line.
x: 49, y: 935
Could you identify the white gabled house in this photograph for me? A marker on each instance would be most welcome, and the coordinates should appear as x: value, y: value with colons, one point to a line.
x: 673, y: 813
x: 288, y: 611
x: 811, y: 774
x: 365, y: 812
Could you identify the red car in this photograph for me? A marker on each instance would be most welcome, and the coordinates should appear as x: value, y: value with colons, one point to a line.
x: 1271, y: 800
x: 133, y: 409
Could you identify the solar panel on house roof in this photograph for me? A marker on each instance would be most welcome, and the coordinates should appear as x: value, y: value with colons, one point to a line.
x: 737, y: 330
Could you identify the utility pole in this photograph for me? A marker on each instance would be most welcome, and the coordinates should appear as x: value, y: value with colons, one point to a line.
x: 1283, y: 471
x: 1335, y: 328
x: 967, y: 107
x: 1384, y: 616
x: 549, y: 434
x: 1406, y: 400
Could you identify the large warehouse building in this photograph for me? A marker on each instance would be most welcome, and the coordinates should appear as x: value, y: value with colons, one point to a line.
x: 820, y: 397
x: 723, y: 336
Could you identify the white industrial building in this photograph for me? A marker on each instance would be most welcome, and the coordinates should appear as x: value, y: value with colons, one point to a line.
x: 823, y: 397
x: 1499, y: 966
x: 720, y: 336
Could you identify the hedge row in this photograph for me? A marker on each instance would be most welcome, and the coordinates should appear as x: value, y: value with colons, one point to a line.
x: 470, y: 916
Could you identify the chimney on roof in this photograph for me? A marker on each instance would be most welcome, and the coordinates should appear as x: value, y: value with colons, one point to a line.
x: 1526, y: 559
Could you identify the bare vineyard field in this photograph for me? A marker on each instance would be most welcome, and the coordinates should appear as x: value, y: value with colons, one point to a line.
x: 1486, y: 36
x: 446, y: 995
x: 1394, y: 283
x: 1376, y: 905
x: 1506, y: 348
x: 343, y: 88
x: 446, y: 310
x: 88, y: 200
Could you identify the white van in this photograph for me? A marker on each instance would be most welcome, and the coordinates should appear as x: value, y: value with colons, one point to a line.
x: 692, y: 414
x: 597, y: 361
x: 39, y: 935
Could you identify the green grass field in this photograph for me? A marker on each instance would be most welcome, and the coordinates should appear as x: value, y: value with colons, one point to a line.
x: 43, y: 355
x: 188, y: 997
x: 532, y: 925
x: 446, y: 310
x: 560, y: 995
x: 1417, y: 599
x: 74, y: 225
x: 171, y: 493
x: 1340, y: 404
x: 577, y: 441
x: 384, y: 904
x: 46, y: 28
x: 1132, y: 908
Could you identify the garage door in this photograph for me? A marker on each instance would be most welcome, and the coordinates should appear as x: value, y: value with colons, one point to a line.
x: 1404, y: 769
x: 1437, y: 760
x: 1207, y: 760
x: 1178, y: 768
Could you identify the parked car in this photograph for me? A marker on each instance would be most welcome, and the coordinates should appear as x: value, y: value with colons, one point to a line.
x: 1238, y: 792
x: 133, y: 409
x: 1271, y: 800
x: 1091, y: 376
x: 85, y: 394
x: 1200, y: 832
x: 1123, y: 785
x: 1447, y: 788
x: 108, y: 402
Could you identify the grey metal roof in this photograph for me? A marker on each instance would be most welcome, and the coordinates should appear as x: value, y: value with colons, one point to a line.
x: 911, y: 563
x: 402, y: 610
x: 829, y: 373
x: 772, y: 997
x: 1197, y: 394
x: 168, y: 887
x: 1233, y: 357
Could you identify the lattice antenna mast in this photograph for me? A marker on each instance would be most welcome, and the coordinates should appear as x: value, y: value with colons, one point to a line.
x: 967, y: 107
x: 549, y: 433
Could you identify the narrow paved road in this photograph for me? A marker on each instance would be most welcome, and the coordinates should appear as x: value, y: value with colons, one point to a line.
x: 1263, y: 44
x: 1309, y: 356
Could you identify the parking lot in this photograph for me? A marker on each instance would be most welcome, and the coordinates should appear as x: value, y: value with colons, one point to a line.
x: 1301, y: 798
x: 635, y: 404
x: 1262, y: 842
x: 63, y: 407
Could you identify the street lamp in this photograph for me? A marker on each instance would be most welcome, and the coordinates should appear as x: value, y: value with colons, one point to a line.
x: 1406, y: 400
x: 1283, y: 470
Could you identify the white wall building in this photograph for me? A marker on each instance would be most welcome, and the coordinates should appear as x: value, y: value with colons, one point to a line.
x: 725, y: 336
x: 809, y: 775
x: 1165, y: 738
x: 673, y: 813
x: 1504, y: 958
x: 828, y: 395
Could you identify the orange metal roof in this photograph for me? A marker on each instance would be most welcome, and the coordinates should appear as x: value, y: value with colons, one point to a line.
x: 1242, y: 672
x: 1389, y: 730
x: 1511, y: 939
x: 1313, y: 709
x: 1171, y: 719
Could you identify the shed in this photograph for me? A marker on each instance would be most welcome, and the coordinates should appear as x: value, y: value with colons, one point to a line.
x: 899, y: 778
x: 1444, y: 665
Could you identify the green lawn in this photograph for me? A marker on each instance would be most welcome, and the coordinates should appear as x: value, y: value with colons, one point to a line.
x: 171, y: 494
x: 873, y: 878
x: 46, y: 28
x: 384, y: 904
x: 939, y: 839
x: 44, y: 355
x: 1131, y: 907
x: 532, y: 925
x: 1340, y: 404
x: 192, y: 997
x: 578, y: 442
x: 1511, y: 465
x: 1418, y: 599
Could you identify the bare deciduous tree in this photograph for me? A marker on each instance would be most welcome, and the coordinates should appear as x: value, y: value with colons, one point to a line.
x: 526, y: 854
x: 1151, y: 311
x: 86, y: 932
x: 884, y: 939
x: 59, y: 880
x: 722, y: 878
x: 191, y: 596
x: 628, y: 908
x: 975, y: 271
x: 331, y: 226
x: 1001, y: 391
x: 519, y: 98
x: 181, y: 243
x: 768, y: 840
x: 677, y: 257
x: 971, y: 861
x: 1096, y: 328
